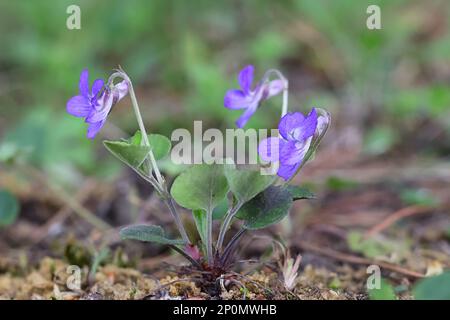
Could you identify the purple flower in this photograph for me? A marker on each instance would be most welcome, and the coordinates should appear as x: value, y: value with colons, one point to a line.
x: 94, y: 105
x: 248, y: 98
x: 296, y: 135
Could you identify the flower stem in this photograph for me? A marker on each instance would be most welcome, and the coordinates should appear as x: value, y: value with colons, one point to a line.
x: 226, y: 224
x: 169, y: 202
x: 134, y: 102
x: 284, y: 108
x: 279, y: 75
x: 159, y: 184
x: 167, y: 197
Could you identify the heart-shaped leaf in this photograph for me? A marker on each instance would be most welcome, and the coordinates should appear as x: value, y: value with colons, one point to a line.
x: 221, y: 209
x: 147, y: 233
x: 299, y: 193
x: 200, y: 187
x: 130, y: 154
x: 133, y: 153
x: 9, y: 208
x: 267, y: 208
x: 246, y: 184
x: 160, y: 144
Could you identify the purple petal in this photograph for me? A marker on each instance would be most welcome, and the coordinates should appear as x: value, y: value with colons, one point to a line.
x: 79, y: 106
x: 235, y: 99
x: 245, y: 78
x: 84, y: 83
x: 290, y: 122
x: 293, y: 152
x: 268, y: 149
x: 287, y: 171
x: 288, y: 153
x: 295, y: 127
x: 274, y: 87
x: 121, y: 89
x: 97, y: 86
x: 100, y: 113
x: 308, y: 126
x: 243, y: 119
x: 323, y: 122
x: 94, y: 128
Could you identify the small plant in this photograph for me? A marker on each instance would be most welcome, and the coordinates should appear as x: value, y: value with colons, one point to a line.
x: 288, y: 266
x: 257, y: 200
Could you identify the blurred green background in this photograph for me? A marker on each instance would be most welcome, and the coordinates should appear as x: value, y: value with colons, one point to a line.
x: 388, y: 92
x: 387, y: 89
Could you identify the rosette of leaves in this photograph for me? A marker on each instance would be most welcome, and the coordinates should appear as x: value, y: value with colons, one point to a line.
x: 254, y: 197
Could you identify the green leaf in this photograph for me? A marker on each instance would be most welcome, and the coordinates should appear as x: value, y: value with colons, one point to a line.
x: 147, y: 233
x: 10, y: 152
x: 9, y: 208
x: 386, y: 292
x: 200, y: 187
x: 340, y: 184
x: 299, y: 193
x: 130, y: 154
x: 200, y: 222
x: 221, y: 209
x: 376, y: 247
x: 160, y: 144
x: 433, y: 288
x: 246, y: 184
x: 133, y: 153
x: 135, y: 139
x: 380, y: 140
x: 98, y: 258
x: 422, y: 197
x: 370, y: 248
x: 267, y: 208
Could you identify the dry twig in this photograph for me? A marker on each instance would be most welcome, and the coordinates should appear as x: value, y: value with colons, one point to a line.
x: 358, y: 260
x: 391, y: 219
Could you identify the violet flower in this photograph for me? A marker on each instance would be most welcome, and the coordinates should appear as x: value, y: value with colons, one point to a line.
x: 94, y: 105
x: 296, y: 135
x: 248, y: 98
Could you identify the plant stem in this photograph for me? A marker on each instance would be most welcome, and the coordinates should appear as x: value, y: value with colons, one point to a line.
x: 169, y: 202
x: 284, y: 108
x: 226, y: 224
x: 186, y: 255
x: 229, y: 248
x: 282, y: 78
x: 134, y: 102
x: 209, y: 237
x: 159, y: 184
x: 151, y: 180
